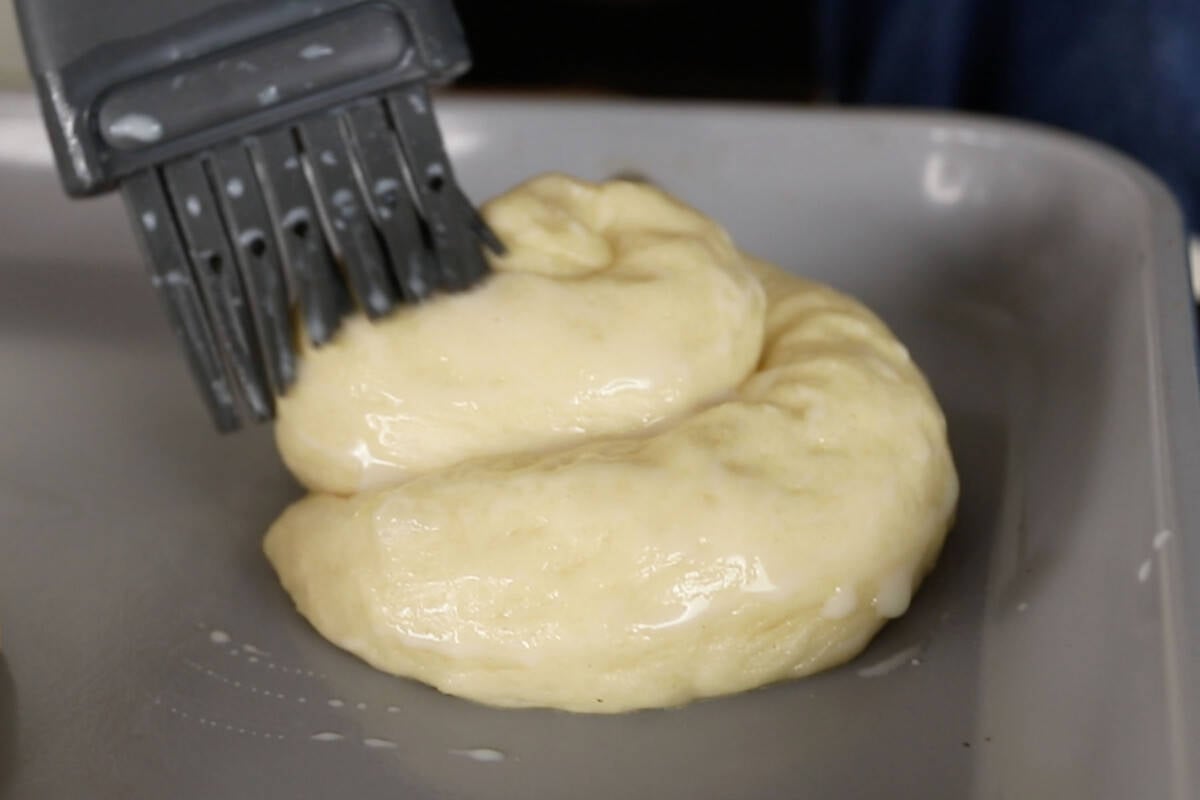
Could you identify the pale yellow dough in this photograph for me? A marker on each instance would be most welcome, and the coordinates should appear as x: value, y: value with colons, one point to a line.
x: 615, y: 309
x: 701, y: 531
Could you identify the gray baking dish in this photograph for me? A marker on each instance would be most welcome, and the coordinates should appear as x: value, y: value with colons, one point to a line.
x: 1039, y: 280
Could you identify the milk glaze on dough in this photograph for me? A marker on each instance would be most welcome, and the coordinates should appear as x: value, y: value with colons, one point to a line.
x: 634, y: 468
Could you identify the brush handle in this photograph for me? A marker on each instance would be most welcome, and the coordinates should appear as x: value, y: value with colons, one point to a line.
x: 128, y: 85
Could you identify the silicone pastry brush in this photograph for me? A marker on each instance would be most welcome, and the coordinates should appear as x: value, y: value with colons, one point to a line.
x: 278, y: 158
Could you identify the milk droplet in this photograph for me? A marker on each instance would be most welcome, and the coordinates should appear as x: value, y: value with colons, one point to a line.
x: 327, y: 736
x: 380, y: 744
x: 485, y: 755
x: 1143, y: 573
x: 894, y: 593
x: 137, y: 127
x: 385, y: 185
x: 335, y: 703
x: 891, y: 663
x: 219, y: 637
x: 315, y: 51
x: 842, y: 603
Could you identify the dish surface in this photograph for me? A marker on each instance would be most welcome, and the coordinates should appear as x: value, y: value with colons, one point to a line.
x: 1040, y: 283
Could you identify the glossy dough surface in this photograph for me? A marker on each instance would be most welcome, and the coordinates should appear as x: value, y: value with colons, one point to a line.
x: 760, y: 520
x: 615, y: 309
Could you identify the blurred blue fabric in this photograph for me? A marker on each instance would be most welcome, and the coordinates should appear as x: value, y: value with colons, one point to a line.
x: 1126, y: 72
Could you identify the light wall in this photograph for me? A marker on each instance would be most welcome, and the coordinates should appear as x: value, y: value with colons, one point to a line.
x: 12, y: 59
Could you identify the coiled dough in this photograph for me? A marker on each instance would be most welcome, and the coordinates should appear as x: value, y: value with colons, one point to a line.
x: 764, y: 528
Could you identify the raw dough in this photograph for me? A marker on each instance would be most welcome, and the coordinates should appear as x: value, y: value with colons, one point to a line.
x: 767, y: 534
x: 616, y: 309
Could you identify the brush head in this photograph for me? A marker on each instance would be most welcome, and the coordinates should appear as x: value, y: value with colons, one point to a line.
x: 279, y: 160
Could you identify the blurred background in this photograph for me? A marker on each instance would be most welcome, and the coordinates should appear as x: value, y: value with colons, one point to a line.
x: 12, y: 60
x: 1126, y: 72
x: 751, y: 50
